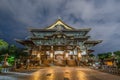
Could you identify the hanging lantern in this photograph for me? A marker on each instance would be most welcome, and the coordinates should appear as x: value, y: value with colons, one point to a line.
x: 79, y: 55
x: 33, y: 52
x: 51, y: 54
x: 38, y: 55
x: 66, y: 54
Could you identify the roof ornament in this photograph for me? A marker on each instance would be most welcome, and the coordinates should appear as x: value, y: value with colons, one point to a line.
x: 59, y: 17
x: 112, y: 54
x: 59, y: 27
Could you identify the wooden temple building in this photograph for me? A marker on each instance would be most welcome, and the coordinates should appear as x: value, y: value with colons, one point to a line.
x: 59, y: 44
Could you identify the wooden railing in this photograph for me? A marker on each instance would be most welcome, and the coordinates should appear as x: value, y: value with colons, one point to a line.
x: 110, y: 69
x: 71, y: 63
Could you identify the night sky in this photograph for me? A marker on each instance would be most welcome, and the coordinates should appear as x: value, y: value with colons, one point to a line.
x: 103, y: 16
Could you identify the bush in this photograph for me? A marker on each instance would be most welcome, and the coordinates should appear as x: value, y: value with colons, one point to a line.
x: 0, y: 68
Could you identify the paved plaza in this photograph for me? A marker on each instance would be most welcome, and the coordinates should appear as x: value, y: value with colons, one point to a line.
x: 60, y: 73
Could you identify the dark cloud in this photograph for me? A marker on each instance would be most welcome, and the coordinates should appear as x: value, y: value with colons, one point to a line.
x: 100, y: 15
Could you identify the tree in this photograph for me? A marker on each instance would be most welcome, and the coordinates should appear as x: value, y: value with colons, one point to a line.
x: 12, y: 50
x: 101, y: 56
x: 117, y: 55
x: 3, y: 48
x: 91, y: 55
x: 3, y: 44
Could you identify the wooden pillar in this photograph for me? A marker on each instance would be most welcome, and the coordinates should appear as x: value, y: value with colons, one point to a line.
x: 87, y: 56
x: 40, y: 62
x: 66, y: 56
x: 73, y: 54
x: 78, y: 55
x: 52, y: 55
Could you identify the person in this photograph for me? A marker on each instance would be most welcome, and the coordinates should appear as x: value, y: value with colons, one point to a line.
x: 0, y: 67
x: 27, y: 63
x: 5, y: 66
x: 5, y: 63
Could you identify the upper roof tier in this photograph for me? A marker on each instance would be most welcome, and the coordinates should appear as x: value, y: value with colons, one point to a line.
x: 59, y: 25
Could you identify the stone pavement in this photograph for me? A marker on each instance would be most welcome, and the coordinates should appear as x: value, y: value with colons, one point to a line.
x: 7, y: 78
x: 62, y: 73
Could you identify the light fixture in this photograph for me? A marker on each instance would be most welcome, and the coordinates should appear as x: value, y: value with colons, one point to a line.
x: 79, y: 55
x: 34, y: 52
x: 51, y: 54
x: 66, y: 54
x: 38, y: 55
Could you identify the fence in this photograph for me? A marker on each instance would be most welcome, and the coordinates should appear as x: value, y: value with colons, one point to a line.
x: 110, y: 69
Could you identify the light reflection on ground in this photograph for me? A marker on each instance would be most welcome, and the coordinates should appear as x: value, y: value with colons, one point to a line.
x: 62, y: 73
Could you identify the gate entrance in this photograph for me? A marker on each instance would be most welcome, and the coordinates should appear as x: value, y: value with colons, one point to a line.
x: 59, y: 60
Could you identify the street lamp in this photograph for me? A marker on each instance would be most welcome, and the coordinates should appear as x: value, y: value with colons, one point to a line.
x: 114, y: 62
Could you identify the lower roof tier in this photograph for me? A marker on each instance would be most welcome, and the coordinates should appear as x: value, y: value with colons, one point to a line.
x: 30, y: 43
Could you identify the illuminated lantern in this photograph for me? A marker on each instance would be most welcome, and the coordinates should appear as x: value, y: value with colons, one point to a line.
x: 34, y: 52
x: 38, y: 55
x: 79, y: 55
x: 66, y: 55
x: 51, y: 54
